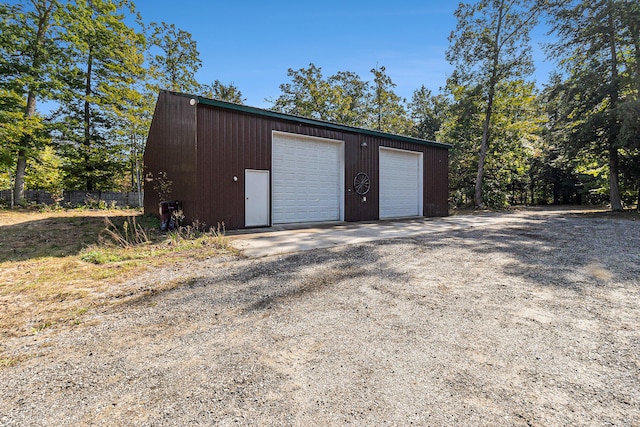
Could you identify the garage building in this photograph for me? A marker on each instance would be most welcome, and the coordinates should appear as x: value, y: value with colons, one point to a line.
x: 249, y: 167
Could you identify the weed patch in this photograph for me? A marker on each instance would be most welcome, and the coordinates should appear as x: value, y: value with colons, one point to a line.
x: 56, y: 264
x: 130, y: 234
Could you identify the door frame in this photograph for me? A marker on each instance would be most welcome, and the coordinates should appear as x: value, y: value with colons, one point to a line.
x: 340, y: 144
x: 251, y: 203
x: 420, y: 158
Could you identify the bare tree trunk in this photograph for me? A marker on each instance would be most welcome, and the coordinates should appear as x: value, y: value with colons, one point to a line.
x: 614, y: 128
x: 484, y: 146
x: 21, y: 166
x: 87, y: 126
x: 10, y: 186
x: 614, y: 190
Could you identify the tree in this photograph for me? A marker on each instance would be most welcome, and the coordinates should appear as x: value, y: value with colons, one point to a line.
x: 174, y: 58
x: 132, y: 121
x: 222, y: 92
x: 341, y: 98
x: 462, y: 127
x: 344, y: 98
x: 29, y: 53
x: 352, y: 98
x: 427, y: 113
x: 599, y: 50
x: 488, y: 47
x: 308, y: 95
x: 387, y: 108
x: 108, y: 59
x: 515, y: 122
x: 45, y: 173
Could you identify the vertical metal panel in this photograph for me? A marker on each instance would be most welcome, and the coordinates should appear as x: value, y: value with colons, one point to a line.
x: 171, y: 148
x: 436, y: 201
x: 228, y: 142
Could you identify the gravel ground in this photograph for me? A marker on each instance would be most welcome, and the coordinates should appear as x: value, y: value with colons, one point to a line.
x: 531, y: 324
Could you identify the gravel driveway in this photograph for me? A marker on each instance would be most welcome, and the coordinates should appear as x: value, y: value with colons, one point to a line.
x: 533, y: 323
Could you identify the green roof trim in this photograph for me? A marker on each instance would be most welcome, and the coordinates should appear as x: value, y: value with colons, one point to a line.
x: 307, y: 121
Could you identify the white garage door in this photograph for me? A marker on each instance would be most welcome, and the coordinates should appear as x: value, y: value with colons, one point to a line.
x: 307, y: 179
x: 400, y: 183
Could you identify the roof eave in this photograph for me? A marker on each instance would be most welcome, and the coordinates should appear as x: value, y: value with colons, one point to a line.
x: 307, y: 121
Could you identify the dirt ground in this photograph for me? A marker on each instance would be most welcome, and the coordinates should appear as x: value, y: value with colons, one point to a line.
x: 533, y: 323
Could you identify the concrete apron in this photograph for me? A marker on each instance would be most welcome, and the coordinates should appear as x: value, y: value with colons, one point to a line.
x: 284, y: 239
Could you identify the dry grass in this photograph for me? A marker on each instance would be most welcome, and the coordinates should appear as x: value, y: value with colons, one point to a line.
x: 55, y: 267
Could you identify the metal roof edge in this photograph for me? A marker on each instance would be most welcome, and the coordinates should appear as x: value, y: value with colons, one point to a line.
x: 308, y: 121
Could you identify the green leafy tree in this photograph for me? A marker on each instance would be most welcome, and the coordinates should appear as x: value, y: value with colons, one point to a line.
x: 222, y: 92
x: 462, y: 127
x: 132, y: 121
x: 387, y: 110
x: 174, y: 58
x: 308, y: 95
x: 488, y: 48
x: 29, y: 58
x: 516, y: 124
x: 516, y: 127
x: 45, y: 173
x: 352, y: 98
x: 107, y: 54
x: 427, y: 113
x: 598, y: 49
x: 344, y: 98
x: 553, y: 169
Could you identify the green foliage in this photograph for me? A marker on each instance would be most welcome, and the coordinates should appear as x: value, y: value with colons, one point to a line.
x: 45, y: 173
x: 388, y: 112
x: 222, y: 92
x: 308, y: 95
x: 489, y: 48
x: 598, y: 97
x: 344, y: 98
x: 29, y: 56
x: 174, y: 58
x: 108, y: 57
x: 462, y: 127
x: 427, y: 113
x: 516, y: 124
x: 352, y: 98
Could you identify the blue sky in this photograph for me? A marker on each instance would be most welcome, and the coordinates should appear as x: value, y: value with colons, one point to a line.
x: 253, y: 43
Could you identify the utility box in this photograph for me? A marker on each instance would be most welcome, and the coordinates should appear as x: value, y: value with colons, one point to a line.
x: 168, y: 210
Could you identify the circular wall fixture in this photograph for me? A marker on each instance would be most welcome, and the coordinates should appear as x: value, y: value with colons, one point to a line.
x: 361, y: 183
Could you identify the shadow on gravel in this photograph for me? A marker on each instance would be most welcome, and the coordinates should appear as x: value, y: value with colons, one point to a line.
x: 283, y: 279
x: 568, y: 252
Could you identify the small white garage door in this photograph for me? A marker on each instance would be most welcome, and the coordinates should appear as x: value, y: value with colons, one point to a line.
x: 400, y: 183
x: 307, y: 179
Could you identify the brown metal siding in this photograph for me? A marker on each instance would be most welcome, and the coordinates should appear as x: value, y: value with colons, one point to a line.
x: 436, y: 182
x: 171, y: 148
x: 228, y: 142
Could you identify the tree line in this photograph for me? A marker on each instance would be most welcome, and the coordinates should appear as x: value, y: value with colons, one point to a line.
x: 577, y: 140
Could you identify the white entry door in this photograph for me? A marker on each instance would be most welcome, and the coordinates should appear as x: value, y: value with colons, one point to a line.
x: 256, y: 198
